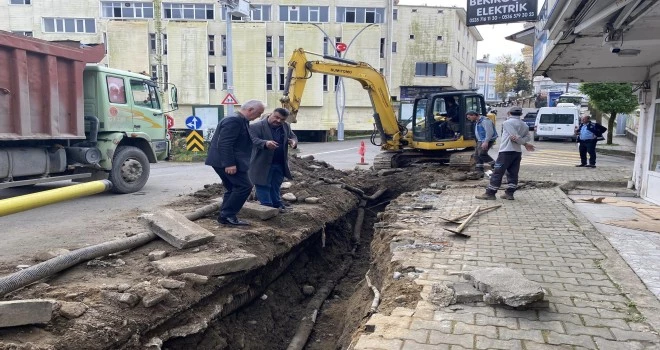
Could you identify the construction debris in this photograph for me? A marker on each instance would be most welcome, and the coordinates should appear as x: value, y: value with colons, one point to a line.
x: 502, y: 285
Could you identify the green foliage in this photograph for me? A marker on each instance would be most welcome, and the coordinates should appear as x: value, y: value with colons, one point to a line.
x: 505, y: 77
x: 523, y: 81
x: 179, y: 153
x: 611, y: 98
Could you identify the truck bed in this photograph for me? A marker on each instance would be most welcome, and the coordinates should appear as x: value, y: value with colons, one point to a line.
x: 41, y: 89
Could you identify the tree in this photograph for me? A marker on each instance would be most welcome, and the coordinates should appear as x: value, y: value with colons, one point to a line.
x: 523, y: 83
x: 505, y: 78
x: 610, y: 98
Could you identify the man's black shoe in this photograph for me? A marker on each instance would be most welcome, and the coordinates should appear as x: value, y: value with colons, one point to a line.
x: 233, y: 222
x: 580, y: 165
x: 591, y: 166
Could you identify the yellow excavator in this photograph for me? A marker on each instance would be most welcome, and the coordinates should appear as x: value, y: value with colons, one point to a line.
x: 437, y: 132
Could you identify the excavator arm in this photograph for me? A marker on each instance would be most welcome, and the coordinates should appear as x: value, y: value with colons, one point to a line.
x: 301, y: 69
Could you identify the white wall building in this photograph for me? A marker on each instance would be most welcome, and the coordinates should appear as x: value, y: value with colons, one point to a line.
x: 486, y: 80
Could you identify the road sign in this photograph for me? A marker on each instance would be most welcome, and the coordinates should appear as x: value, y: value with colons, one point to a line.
x: 194, y: 142
x: 229, y: 100
x: 170, y: 121
x: 193, y: 123
x: 341, y: 47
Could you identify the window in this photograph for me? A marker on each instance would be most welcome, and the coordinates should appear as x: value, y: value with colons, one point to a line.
x: 188, y: 11
x: 394, y: 46
x: 280, y: 46
x: 292, y: 13
x: 473, y: 103
x: 414, y: 10
x: 69, y: 25
x: 382, y: 47
x: 412, y: 36
x: 481, y: 74
x: 459, y: 47
x: 223, y: 44
x: 211, y: 45
x: 166, y: 76
x: 212, y: 77
x: 224, y: 77
x: 152, y: 42
x: 439, y: 38
x: 556, y: 118
x: 360, y: 15
x: 269, y: 46
x: 24, y: 33
x: 491, y: 75
x: 395, y: 14
x: 144, y: 95
x: 20, y: 2
x: 325, y: 46
x: 441, y: 11
x: 105, y: 42
x: 164, y: 44
x: 325, y: 83
x: 430, y: 69
x: 116, y: 90
x: 117, y: 9
x: 269, y: 78
x: 154, y: 72
x: 336, y: 82
x: 260, y: 13
x: 382, y: 70
x: 655, y: 141
x: 282, y: 77
x: 461, y: 80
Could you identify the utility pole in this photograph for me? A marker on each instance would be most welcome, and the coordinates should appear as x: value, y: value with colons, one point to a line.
x: 230, y: 62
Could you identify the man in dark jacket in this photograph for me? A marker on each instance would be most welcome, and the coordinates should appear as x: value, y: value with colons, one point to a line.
x: 229, y: 155
x: 270, y: 164
x: 587, y: 135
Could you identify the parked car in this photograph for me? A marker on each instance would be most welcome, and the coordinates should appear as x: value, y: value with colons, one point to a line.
x: 557, y: 123
x: 530, y: 120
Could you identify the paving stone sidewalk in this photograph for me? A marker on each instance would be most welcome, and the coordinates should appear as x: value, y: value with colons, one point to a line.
x: 545, y: 238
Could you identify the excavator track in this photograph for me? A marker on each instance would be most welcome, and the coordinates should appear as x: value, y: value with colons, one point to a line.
x: 402, y: 159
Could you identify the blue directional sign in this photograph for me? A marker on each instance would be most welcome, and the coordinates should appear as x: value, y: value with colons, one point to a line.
x: 194, y: 123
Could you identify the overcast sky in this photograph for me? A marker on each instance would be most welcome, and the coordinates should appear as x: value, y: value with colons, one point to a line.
x: 494, y: 42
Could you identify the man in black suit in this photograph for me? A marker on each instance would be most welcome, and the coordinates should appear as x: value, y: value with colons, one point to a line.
x: 229, y: 155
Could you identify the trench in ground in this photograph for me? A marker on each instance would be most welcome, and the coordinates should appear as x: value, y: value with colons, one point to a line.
x: 272, y: 318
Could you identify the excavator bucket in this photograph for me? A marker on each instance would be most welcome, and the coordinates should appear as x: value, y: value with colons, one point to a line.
x: 462, y: 160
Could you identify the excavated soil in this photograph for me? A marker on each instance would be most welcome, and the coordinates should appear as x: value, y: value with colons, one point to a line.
x: 319, y: 235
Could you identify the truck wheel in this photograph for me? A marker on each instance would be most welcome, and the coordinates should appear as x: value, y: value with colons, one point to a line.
x: 130, y: 170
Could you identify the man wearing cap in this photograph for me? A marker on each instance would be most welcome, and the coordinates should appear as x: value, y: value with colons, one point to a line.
x: 515, y: 133
x: 485, y: 133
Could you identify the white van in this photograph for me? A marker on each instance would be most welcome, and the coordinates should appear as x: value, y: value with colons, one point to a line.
x: 556, y: 123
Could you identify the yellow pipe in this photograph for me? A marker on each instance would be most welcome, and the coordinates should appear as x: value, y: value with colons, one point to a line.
x: 34, y: 200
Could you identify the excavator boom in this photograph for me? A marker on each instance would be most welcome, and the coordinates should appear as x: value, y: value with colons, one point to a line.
x: 300, y: 69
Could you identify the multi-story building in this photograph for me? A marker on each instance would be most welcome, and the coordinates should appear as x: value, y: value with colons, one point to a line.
x: 185, y: 43
x: 486, y: 79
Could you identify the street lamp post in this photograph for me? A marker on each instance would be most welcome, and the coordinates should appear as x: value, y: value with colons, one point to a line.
x: 340, y: 90
x: 230, y: 62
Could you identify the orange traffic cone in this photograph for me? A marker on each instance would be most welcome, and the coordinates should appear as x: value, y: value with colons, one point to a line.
x: 361, y: 152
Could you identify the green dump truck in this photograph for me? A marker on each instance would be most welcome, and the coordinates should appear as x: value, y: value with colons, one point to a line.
x: 62, y: 119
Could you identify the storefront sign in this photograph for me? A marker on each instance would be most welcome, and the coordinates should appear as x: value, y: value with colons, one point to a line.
x: 481, y: 12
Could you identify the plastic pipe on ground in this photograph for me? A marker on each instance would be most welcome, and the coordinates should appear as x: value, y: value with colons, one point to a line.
x: 34, y: 200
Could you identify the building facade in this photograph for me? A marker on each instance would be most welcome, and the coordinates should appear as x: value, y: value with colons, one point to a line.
x: 185, y: 44
x: 486, y: 80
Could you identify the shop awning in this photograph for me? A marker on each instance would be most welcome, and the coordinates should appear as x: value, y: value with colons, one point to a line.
x: 597, y: 40
x: 525, y: 37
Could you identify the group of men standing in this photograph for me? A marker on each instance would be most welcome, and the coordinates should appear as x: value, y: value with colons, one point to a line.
x: 243, y: 154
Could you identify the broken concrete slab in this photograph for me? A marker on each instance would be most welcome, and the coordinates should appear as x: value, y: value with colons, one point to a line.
x: 254, y: 209
x: 441, y: 295
x: 194, y: 278
x: 208, y: 263
x: 157, y: 255
x: 171, y: 284
x: 24, y: 312
x: 465, y: 292
x: 153, y: 296
x: 176, y: 229
x: 505, y: 285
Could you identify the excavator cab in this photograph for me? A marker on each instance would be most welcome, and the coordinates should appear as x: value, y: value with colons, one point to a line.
x: 439, y: 120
